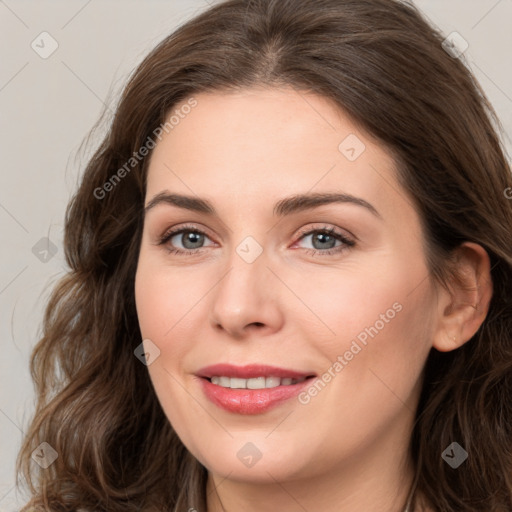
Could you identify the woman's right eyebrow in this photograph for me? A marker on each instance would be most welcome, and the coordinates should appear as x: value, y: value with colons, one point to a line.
x: 283, y: 207
x: 192, y: 203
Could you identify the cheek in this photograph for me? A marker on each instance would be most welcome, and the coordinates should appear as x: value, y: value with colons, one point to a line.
x: 164, y: 298
x: 167, y: 302
x: 385, y: 350
x: 373, y: 364
x: 350, y: 302
x: 380, y: 322
x: 162, y: 302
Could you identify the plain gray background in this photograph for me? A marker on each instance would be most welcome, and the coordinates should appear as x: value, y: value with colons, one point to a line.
x: 49, y: 105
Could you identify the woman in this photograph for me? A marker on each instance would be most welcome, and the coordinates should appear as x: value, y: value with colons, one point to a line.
x: 208, y: 352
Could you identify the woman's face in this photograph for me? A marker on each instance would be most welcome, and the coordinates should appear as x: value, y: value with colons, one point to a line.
x: 332, y: 287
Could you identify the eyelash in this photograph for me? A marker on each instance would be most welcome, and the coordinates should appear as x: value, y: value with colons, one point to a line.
x: 165, y: 238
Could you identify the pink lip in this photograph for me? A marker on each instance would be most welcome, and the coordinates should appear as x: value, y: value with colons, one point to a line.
x: 250, y: 401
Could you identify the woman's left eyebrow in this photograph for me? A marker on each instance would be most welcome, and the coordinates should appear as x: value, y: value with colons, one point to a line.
x: 301, y: 202
x: 283, y: 207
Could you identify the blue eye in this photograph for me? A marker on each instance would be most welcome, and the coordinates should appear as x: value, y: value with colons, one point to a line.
x: 326, y: 240
x: 190, y: 237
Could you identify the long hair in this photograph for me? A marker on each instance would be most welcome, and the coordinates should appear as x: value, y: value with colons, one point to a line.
x: 387, y: 68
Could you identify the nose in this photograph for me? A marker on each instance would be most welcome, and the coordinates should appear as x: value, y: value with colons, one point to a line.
x: 247, y: 299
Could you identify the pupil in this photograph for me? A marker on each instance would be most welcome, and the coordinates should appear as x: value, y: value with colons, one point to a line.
x: 323, y: 237
x: 190, y: 238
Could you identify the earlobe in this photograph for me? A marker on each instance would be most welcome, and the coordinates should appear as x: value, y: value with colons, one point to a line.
x: 464, y: 306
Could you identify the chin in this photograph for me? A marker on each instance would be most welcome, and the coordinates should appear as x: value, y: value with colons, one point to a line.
x: 256, y: 461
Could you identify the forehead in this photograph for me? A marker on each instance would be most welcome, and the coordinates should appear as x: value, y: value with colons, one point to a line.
x: 266, y: 143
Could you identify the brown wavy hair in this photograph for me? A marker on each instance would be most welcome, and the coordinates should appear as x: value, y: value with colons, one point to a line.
x: 384, y: 64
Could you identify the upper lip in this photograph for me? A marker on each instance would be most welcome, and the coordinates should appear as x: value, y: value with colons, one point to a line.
x: 250, y: 371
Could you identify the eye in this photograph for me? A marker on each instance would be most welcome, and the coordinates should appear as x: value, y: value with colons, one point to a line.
x: 190, y: 237
x: 324, y: 240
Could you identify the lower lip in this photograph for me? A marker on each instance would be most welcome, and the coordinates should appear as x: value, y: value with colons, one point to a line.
x: 251, y: 401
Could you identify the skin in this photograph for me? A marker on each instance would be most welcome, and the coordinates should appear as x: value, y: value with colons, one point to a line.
x: 347, y: 448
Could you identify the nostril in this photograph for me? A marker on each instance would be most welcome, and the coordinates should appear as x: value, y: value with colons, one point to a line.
x: 257, y: 324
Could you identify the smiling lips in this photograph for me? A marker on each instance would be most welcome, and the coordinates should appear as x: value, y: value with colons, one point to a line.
x: 251, y: 389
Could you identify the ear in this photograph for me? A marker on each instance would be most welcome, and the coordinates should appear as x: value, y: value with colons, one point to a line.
x: 464, y: 305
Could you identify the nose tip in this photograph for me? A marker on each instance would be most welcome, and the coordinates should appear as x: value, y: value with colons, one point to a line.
x: 238, y: 324
x: 246, y: 300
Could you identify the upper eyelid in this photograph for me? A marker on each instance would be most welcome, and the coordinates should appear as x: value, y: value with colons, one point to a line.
x: 175, y: 230
x: 331, y: 229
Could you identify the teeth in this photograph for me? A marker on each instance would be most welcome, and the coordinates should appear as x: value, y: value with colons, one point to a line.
x: 238, y: 383
x: 254, y: 383
x: 272, y: 382
x: 223, y: 381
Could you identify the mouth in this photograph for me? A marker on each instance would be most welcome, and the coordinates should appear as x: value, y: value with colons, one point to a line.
x: 251, y: 389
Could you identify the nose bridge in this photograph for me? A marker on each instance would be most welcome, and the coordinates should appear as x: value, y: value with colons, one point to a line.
x: 246, y: 294
x: 247, y: 268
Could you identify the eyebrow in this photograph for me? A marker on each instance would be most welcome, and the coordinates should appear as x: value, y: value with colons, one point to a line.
x: 286, y: 206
